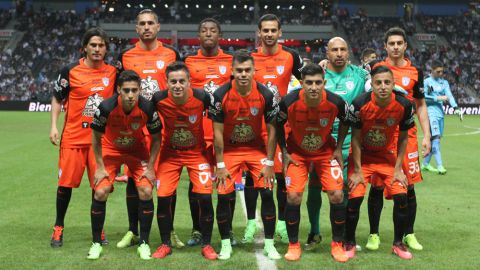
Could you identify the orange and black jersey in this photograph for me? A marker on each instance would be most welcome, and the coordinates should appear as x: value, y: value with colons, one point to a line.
x: 310, y: 127
x: 209, y: 72
x: 408, y: 79
x: 81, y: 89
x: 150, y: 66
x: 123, y: 132
x: 379, y: 124
x: 275, y: 71
x: 183, y: 124
x: 242, y: 116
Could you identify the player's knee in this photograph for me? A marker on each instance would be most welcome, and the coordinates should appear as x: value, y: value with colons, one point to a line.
x: 335, y: 196
x: 145, y: 193
x: 164, y: 204
x: 266, y: 195
x: 400, y: 202
x: 205, y: 204
x: 101, y: 194
x: 294, y: 198
x: 354, y: 204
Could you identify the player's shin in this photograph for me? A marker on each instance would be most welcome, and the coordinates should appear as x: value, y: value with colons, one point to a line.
x: 337, y: 220
x: 400, y: 211
x: 223, y: 215
x: 194, y: 209
x: 412, y: 209
x: 145, y: 216
x: 204, y: 203
x: 281, y: 195
x: 97, y: 215
x: 268, y: 212
x: 164, y: 218
x: 352, y: 217
x: 63, y: 199
x: 314, y: 203
x: 251, y: 195
x: 292, y: 217
x: 375, y: 206
x: 132, y: 205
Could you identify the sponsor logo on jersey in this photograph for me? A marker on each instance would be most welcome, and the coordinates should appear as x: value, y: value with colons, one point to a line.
x: 203, y: 166
x: 405, y: 81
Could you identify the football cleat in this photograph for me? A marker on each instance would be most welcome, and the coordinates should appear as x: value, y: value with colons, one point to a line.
x: 401, y: 251
x: 57, y: 237
x: 209, y: 253
x: 129, y: 239
x: 312, y: 241
x: 373, y: 242
x: 195, y: 238
x: 338, y: 253
x: 176, y: 242
x: 144, y: 252
x: 95, y: 251
x: 162, y: 252
x: 294, y: 252
x: 411, y: 241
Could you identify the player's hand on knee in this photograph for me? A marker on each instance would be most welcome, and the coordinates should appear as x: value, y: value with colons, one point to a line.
x: 337, y: 155
x: 286, y: 161
x: 222, y: 175
x: 399, y: 176
x: 150, y: 175
x: 354, y: 180
x: 100, y: 174
x: 268, y: 175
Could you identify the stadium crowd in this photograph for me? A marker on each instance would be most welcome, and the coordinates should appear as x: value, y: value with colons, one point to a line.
x: 51, y: 40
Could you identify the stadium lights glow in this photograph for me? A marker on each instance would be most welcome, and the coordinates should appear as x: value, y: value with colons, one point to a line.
x: 303, y: 7
x: 154, y: 6
x: 290, y: 7
x: 209, y: 6
x: 222, y: 6
x: 186, y: 5
x: 111, y: 9
x: 197, y: 6
x: 166, y: 5
x: 278, y: 7
x: 234, y: 6
x: 266, y: 6
x: 141, y: 6
x: 128, y: 5
x: 245, y: 6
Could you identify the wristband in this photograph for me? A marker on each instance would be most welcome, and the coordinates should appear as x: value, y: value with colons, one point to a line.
x: 269, y: 163
x: 220, y: 165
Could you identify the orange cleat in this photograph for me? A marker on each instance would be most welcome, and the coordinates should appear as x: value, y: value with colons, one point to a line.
x: 338, y: 253
x: 350, y: 249
x: 401, y: 251
x: 294, y: 252
x: 209, y: 253
x: 57, y: 237
x: 162, y: 252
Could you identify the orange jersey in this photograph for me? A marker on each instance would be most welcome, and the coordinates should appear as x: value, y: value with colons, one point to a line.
x: 81, y: 89
x: 379, y: 124
x: 275, y: 71
x: 123, y: 132
x: 408, y: 79
x: 183, y: 124
x: 242, y: 116
x: 311, y: 127
x: 209, y: 72
x: 150, y: 66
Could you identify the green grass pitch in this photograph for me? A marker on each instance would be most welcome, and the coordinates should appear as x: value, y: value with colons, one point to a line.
x: 447, y: 219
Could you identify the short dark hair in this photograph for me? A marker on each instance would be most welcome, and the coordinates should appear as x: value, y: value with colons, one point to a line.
x: 147, y: 11
x: 395, y: 31
x: 176, y: 66
x: 380, y: 69
x: 94, y: 32
x: 367, y: 51
x: 312, y: 69
x: 241, y: 56
x: 437, y: 64
x: 269, y: 17
x: 212, y: 20
x: 128, y: 76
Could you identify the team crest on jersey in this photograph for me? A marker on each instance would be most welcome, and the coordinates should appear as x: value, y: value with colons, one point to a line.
x: 254, y: 111
x: 350, y: 85
x: 106, y: 81
x: 390, y: 122
x: 222, y: 69
x: 135, y: 125
x: 192, y: 118
x: 160, y: 64
x: 324, y: 122
x: 405, y: 81
x: 280, y: 69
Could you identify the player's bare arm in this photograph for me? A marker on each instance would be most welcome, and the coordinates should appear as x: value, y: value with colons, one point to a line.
x: 100, y: 172
x: 56, y: 109
x: 357, y: 176
x: 268, y: 172
x: 286, y: 158
x: 337, y: 153
x: 154, y: 149
x: 424, y: 124
x: 222, y: 171
x: 401, y: 148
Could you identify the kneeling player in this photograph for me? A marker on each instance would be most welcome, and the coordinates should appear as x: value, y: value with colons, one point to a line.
x: 181, y: 108
x: 310, y: 113
x: 375, y: 116
x: 121, y: 119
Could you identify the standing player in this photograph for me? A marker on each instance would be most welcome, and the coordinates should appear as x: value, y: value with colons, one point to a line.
x: 120, y: 120
x: 437, y: 93
x: 274, y: 67
x: 80, y: 87
x: 311, y: 113
x: 149, y: 58
x: 347, y: 81
x: 181, y: 109
x: 375, y: 117
x: 238, y: 109
x: 409, y: 80
x: 209, y: 68
x: 368, y: 55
